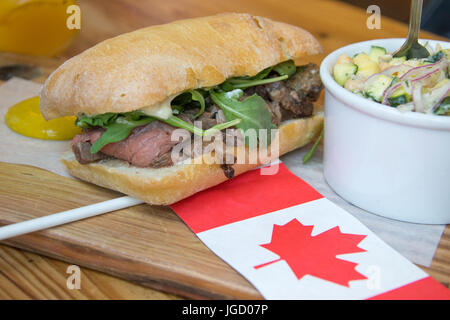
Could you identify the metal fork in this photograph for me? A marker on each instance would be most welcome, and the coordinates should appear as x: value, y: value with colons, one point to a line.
x: 411, y: 48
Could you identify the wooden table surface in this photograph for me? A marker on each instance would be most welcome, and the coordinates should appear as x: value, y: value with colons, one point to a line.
x: 26, y: 275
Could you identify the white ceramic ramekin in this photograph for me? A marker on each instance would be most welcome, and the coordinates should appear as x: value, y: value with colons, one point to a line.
x: 387, y: 162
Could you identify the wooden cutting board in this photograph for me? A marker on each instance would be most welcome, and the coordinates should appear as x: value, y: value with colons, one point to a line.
x: 147, y: 244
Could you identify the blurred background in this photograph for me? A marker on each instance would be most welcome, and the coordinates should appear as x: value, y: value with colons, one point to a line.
x: 435, y: 13
x: 38, y: 27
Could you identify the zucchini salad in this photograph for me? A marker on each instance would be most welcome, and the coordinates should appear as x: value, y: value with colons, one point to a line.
x: 419, y: 85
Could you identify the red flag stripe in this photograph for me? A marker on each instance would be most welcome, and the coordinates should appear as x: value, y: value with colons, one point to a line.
x: 423, y: 289
x: 248, y: 195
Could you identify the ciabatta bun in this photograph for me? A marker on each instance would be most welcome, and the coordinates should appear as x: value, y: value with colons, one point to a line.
x: 146, y: 66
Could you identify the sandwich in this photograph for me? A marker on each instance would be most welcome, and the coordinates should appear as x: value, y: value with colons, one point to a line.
x: 143, y: 95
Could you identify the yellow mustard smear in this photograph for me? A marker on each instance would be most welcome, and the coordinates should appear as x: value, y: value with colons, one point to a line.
x: 26, y: 119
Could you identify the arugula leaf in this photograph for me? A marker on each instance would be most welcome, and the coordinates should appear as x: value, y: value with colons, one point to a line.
x: 244, y: 84
x: 197, y: 96
x: 100, y: 120
x: 314, y: 147
x: 118, y: 130
x: 252, y: 111
x: 186, y: 98
x: 260, y: 75
x: 182, y: 99
x: 177, y: 109
x: 285, y: 68
x: 179, y: 123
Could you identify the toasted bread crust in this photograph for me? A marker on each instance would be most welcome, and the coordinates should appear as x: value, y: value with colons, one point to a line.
x: 147, y: 66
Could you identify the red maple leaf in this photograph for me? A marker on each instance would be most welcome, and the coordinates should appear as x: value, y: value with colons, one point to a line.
x: 315, y: 255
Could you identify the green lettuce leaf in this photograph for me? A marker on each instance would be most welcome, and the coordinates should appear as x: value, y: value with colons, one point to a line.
x: 197, y: 96
x: 100, y: 120
x: 179, y: 123
x: 244, y: 84
x: 118, y: 130
x: 192, y: 98
x: 311, y: 151
x: 118, y: 126
x: 286, y: 68
x: 252, y: 111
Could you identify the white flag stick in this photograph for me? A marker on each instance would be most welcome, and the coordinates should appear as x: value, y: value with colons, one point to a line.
x: 64, y: 217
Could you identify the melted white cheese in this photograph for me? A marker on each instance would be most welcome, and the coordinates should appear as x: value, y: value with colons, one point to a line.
x: 161, y: 110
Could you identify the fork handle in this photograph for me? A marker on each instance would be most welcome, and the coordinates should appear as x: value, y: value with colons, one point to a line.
x: 414, y: 21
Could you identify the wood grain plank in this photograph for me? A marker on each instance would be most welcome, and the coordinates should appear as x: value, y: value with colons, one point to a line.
x: 440, y: 266
x: 146, y: 244
x: 25, y: 275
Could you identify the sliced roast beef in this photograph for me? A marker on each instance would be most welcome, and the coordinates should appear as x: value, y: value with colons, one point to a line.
x: 208, y: 118
x: 292, y: 98
x: 81, y: 145
x: 83, y: 154
x: 146, y: 146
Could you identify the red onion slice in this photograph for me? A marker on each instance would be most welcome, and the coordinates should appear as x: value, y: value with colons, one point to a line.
x: 399, y: 68
x: 421, y: 74
x: 390, y: 72
x: 417, y: 72
x: 387, y: 93
x: 438, y: 95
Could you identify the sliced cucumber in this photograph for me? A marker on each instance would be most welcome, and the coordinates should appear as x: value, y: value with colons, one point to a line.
x: 398, y: 97
x: 343, y: 71
x: 376, y: 87
x: 436, y: 57
x: 375, y: 52
x: 394, y: 102
x: 399, y: 92
x: 444, y: 107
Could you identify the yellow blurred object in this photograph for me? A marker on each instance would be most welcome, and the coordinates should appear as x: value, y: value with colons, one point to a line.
x: 26, y: 119
x: 35, y: 27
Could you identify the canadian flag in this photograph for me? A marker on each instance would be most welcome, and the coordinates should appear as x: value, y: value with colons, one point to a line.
x: 292, y: 243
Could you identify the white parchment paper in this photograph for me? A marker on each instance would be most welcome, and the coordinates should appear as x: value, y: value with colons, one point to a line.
x: 416, y: 242
x: 19, y: 149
